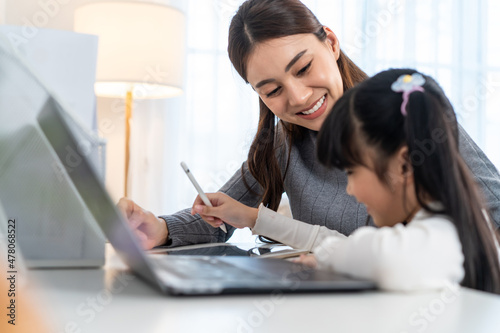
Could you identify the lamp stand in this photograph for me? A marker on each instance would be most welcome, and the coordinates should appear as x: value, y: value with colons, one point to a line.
x: 128, y: 117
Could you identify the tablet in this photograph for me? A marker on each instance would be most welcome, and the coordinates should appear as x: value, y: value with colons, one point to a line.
x: 232, y: 249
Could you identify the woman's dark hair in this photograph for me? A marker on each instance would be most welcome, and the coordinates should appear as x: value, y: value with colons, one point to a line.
x: 369, y: 115
x: 257, y: 21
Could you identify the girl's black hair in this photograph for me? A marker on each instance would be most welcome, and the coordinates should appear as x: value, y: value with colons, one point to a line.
x: 369, y: 115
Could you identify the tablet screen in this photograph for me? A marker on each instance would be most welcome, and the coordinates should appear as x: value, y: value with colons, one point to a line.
x: 227, y: 249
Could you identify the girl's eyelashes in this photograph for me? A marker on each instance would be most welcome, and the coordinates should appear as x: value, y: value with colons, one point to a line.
x: 348, y: 172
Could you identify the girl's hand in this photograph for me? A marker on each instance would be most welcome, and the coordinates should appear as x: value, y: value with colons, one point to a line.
x: 225, y: 209
x: 307, y: 259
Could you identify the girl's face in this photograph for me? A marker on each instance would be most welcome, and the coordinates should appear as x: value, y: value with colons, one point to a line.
x: 390, y: 202
x: 297, y: 77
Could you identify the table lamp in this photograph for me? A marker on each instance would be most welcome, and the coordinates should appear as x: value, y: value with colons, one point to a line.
x: 141, y: 53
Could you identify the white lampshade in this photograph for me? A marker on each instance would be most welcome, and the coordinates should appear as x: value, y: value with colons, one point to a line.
x: 141, y: 47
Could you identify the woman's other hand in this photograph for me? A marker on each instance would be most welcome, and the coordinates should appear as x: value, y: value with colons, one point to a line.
x: 150, y: 230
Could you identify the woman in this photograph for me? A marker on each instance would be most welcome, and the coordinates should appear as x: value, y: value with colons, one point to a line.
x: 296, y: 66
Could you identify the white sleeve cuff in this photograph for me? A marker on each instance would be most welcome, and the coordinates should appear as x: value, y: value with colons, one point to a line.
x: 284, y: 229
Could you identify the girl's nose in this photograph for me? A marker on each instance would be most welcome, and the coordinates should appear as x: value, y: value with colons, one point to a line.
x: 299, y: 94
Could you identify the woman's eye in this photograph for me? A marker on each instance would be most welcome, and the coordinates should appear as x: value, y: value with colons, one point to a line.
x: 304, y: 69
x: 273, y: 92
x: 348, y: 172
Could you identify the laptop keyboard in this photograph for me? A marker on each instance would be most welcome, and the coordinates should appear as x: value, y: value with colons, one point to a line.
x: 206, y: 268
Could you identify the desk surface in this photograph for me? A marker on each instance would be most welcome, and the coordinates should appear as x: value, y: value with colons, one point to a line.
x: 111, y: 300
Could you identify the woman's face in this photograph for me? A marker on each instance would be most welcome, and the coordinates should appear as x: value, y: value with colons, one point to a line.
x: 297, y: 77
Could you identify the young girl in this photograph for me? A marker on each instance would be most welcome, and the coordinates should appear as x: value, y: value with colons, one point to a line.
x: 396, y: 136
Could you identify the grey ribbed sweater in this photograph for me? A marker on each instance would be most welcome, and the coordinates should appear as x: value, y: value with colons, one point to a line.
x: 318, y: 195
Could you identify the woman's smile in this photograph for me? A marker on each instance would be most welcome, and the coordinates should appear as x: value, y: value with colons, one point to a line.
x: 316, y: 110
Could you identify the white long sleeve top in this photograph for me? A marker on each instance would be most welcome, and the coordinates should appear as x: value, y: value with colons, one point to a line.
x: 426, y: 253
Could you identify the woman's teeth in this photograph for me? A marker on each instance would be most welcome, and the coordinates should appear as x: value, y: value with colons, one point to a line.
x: 316, y: 107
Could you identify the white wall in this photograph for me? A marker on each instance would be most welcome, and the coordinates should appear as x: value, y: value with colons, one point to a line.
x: 2, y: 11
x: 59, y: 14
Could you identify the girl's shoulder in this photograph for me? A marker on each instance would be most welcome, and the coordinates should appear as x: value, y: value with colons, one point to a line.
x: 433, y: 223
x: 426, y: 216
x: 425, y: 224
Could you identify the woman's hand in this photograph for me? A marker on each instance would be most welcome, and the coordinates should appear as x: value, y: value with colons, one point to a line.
x: 307, y: 259
x: 225, y: 209
x: 149, y: 229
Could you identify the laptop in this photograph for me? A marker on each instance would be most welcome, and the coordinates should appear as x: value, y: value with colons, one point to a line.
x: 179, y: 274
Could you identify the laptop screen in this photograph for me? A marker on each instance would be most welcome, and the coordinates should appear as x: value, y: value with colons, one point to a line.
x: 55, y: 126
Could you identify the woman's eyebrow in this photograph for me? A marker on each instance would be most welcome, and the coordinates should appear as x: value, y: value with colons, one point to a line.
x: 294, y: 60
x: 263, y: 82
x: 287, y: 68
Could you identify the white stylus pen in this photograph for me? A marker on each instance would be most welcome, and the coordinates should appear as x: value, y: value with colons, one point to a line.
x: 202, y: 194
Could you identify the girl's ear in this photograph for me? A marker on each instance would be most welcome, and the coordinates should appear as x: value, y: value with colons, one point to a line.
x: 333, y: 42
x: 404, y: 165
x: 399, y: 170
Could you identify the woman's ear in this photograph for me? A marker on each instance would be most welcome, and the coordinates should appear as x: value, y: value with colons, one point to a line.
x: 333, y: 41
